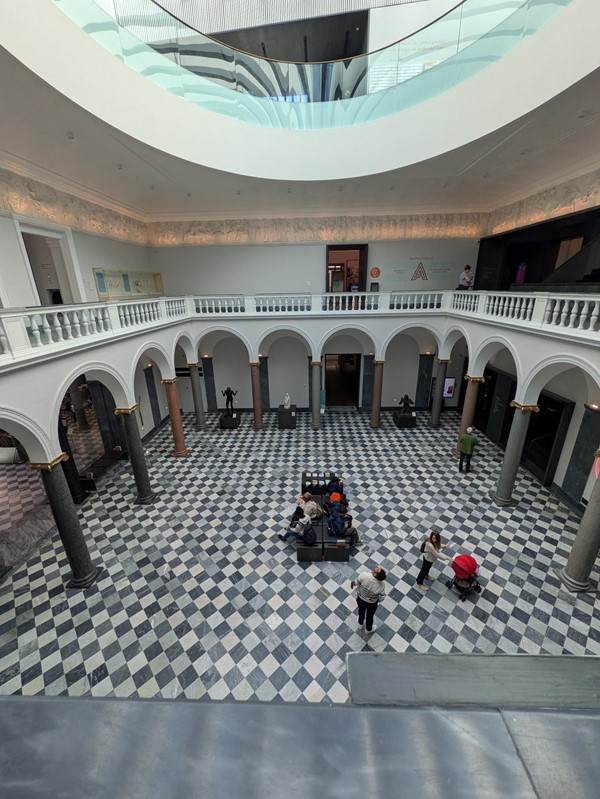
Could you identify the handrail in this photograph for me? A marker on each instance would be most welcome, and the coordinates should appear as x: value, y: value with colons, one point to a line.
x: 343, y: 92
x: 27, y: 333
x: 324, y: 61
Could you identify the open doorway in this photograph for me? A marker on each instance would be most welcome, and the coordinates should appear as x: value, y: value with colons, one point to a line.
x: 49, y: 268
x: 346, y: 268
x: 342, y: 379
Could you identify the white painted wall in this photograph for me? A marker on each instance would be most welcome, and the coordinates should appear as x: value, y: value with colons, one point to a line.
x: 401, y: 370
x: 240, y: 270
x: 96, y: 252
x: 231, y: 368
x: 443, y: 261
x: 17, y: 288
x: 288, y: 372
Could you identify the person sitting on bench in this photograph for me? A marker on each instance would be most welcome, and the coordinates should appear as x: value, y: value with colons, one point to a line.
x: 297, y: 526
x: 340, y: 525
x: 309, y: 506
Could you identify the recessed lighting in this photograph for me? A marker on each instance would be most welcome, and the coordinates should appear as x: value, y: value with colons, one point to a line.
x: 238, y: 192
x: 188, y: 194
x: 119, y: 166
x: 70, y: 135
x: 152, y: 188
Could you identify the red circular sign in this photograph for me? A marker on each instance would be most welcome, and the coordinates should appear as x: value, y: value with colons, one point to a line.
x: 375, y: 272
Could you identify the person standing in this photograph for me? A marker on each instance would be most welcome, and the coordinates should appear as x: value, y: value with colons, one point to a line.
x: 432, y: 551
x: 465, y: 281
x: 371, y: 591
x: 466, y: 446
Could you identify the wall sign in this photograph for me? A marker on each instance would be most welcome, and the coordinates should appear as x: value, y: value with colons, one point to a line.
x: 375, y: 272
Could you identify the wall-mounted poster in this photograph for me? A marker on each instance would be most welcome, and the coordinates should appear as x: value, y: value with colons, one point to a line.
x: 101, y: 284
x: 449, y: 387
x: 113, y: 285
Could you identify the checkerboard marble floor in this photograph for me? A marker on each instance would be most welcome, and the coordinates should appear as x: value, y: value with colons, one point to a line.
x: 199, y: 598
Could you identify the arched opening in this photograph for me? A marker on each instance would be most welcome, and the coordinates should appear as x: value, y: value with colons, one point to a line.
x: 348, y: 362
x: 563, y: 436
x: 457, y: 368
x: 151, y: 366
x: 409, y: 368
x: 22, y: 497
x: 79, y: 430
x: 493, y: 411
x: 285, y: 359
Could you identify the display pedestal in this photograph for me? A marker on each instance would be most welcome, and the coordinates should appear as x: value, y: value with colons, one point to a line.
x: 227, y: 422
x: 405, y: 419
x: 286, y: 417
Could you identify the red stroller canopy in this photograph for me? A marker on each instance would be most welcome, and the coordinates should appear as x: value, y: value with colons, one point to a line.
x: 464, y: 566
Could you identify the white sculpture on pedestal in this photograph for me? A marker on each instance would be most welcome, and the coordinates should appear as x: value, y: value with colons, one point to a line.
x: 287, y: 401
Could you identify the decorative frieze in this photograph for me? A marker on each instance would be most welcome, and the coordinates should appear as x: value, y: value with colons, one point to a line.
x: 579, y: 194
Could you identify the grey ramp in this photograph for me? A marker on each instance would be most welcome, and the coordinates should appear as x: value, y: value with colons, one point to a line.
x: 441, y: 680
x: 160, y: 749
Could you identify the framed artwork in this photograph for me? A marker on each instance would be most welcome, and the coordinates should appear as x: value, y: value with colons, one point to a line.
x: 101, y: 288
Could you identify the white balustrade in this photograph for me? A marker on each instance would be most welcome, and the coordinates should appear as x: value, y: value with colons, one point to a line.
x: 573, y: 312
x: 25, y: 331
x: 283, y: 303
x: 219, y: 305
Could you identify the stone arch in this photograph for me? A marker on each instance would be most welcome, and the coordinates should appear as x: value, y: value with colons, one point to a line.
x: 184, y: 341
x: 277, y: 331
x: 551, y: 367
x: 104, y: 373
x: 362, y: 334
x: 411, y: 329
x: 40, y: 448
x: 158, y: 355
x: 451, y: 338
x: 206, y: 341
x: 485, y: 352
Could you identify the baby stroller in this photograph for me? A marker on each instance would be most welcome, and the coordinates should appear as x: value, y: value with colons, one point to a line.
x: 465, y: 576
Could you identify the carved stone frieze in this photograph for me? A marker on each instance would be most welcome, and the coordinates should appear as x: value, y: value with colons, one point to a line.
x: 578, y: 194
x: 320, y: 230
x: 27, y: 197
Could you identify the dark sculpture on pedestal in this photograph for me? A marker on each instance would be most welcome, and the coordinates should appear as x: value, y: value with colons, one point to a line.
x: 229, y: 395
x: 405, y: 403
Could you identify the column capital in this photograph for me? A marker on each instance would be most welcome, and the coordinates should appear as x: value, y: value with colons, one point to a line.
x: 381, y: 362
x: 316, y: 363
x: 443, y: 360
x: 475, y: 379
x: 519, y: 407
x: 126, y: 411
x: 169, y: 381
x: 189, y: 365
x: 47, y: 467
x: 254, y: 363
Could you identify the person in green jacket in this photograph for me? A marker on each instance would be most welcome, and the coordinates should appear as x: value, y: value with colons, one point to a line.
x: 466, y: 444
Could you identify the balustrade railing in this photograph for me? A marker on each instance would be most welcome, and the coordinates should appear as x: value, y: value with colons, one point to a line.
x: 24, y: 332
x: 574, y: 313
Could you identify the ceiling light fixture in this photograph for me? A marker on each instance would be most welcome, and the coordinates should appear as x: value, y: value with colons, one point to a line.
x: 70, y: 135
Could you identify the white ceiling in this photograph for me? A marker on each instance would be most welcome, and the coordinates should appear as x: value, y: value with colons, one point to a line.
x: 45, y: 136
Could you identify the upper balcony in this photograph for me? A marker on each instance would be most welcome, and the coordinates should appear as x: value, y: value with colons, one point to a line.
x: 30, y: 334
x: 310, y: 96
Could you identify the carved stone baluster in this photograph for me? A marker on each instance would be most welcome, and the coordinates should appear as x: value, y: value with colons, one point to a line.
x: 76, y: 324
x: 85, y: 322
x: 35, y: 331
x: 565, y: 314
x: 594, y: 316
x: 557, y: 308
x: 49, y: 330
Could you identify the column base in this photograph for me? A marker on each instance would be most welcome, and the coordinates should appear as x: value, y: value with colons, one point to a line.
x: 81, y: 583
x: 374, y: 425
x: 501, y: 501
x: 258, y: 426
x: 180, y: 453
x: 574, y: 586
x: 200, y: 426
x: 145, y: 500
x: 434, y: 424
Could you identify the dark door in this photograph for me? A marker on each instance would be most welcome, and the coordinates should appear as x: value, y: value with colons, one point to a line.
x: 342, y: 379
x: 346, y: 268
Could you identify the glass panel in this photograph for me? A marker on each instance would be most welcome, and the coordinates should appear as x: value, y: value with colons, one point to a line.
x: 309, y: 96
